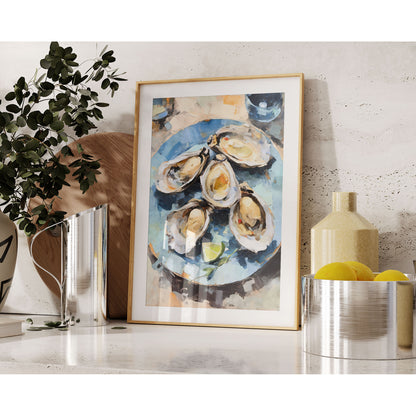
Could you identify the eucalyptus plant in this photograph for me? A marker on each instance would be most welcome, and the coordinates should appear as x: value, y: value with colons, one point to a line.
x: 57, y: 105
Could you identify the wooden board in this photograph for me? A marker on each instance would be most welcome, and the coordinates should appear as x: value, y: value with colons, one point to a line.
x: 115, y: 151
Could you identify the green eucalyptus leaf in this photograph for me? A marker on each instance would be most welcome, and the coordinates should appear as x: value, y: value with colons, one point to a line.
x: 32, y: 144
x: 21, y: 83
x: 23, y: 223
x: 13, y: 108
x: 32, y: 123
x: 42, y: 134
x: 74, y: 101
x: 98, y: 75
x: 63, y: 136
x: 6, y: 117
x: 30, y: 229
x: 47, y: 118
x: 97, y: 64
x: 20, y: 121
x: 67, y: 119
x: 47, y: 85
x: 83, y: 91
x: 45, y: 64
x: 19, y: 96
x: 10, y: 96
x: 45, y: 93
x: 53, y: 324
x: 26, y: 110
x: 32, y: 155
x: 107, y: 55
x: 37, y: 210
x: 12, y: 128
x: 57, y: 125
x: 53, y: 46
x: 70, y: 56
x: 106, y: 82
x: 53, y: 141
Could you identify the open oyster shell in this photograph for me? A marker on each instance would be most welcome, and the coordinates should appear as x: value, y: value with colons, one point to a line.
x: 186, y: 225
x: 177, y: 174
x: 219, y: 184
x: 251, y: 221
x: 242, y: 144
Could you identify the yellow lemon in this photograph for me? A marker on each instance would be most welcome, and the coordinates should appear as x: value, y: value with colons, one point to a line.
x: 336, y: 271
x: 363, y: 272
x: 390, y: 276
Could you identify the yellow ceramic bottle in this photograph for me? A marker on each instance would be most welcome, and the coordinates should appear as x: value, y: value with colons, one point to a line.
x: 344, y: 235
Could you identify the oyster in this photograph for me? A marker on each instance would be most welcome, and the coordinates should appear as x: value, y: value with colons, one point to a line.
x: 177, y: 174
x: 242, y: 144
x: 186, y: 225
x: 251, y: 221
x: 219, y: 184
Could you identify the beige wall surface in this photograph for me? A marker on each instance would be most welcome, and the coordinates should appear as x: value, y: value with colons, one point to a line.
x: 359, y: 127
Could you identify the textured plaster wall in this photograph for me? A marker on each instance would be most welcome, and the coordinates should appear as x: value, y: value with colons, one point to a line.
x: 359, y: 128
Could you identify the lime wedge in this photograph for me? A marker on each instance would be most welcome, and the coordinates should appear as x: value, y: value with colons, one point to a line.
x: 212, y: 251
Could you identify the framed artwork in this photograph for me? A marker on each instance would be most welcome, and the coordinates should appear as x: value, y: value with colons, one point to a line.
x: 216, y: 202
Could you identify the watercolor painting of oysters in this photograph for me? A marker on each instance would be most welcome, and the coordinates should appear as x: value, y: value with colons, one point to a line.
x: 215, y: 185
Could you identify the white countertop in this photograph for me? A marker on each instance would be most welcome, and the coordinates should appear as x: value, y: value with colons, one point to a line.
x: 153, y: 349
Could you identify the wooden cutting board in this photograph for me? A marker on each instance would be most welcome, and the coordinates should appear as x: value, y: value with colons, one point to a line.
x: 115, y: 152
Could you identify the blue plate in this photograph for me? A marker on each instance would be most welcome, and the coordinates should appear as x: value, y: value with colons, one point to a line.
x: 236, y: 263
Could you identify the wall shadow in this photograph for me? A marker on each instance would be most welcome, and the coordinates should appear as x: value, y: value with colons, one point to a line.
x: 318, y: 179
x: 397, y: 249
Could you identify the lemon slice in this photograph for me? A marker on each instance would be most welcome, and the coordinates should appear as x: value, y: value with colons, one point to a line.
x: 212, y: 251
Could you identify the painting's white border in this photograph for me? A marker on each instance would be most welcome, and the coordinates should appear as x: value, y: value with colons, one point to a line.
x: 286, y: 316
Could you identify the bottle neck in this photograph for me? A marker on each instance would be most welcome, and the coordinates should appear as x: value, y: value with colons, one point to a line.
x: 344, y: 201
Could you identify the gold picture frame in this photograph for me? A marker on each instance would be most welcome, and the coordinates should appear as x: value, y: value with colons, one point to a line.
x: 165, y: 285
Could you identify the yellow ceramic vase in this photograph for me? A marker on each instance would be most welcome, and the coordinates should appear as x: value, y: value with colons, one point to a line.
x: 344, y: 235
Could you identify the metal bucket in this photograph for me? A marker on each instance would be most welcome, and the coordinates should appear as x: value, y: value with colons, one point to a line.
x: 359, y: 320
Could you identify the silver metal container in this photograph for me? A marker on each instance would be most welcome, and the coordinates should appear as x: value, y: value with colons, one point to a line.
x: 84, y: 266
x: 83, y: 281
x: 359, y: 320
